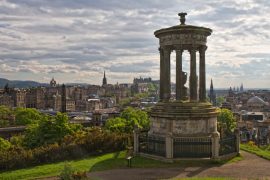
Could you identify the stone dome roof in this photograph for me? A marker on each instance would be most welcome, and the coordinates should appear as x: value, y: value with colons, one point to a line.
x: 255, y: 100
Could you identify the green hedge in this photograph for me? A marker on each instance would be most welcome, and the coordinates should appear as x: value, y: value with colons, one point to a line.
x: 74, y: 146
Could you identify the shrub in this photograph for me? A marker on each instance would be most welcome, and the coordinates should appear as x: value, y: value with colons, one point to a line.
x: 16, y: 140
x: 4, y: 144
x: 76, y: 145
x: 251, y: 144
x: 79, y: 175
x: 128, y: 119
x: 67, y: 172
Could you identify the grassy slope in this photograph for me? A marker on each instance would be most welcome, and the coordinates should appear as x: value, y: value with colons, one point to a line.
x: 255, y: 150
x: 54, y: 169
x: 99, y: 163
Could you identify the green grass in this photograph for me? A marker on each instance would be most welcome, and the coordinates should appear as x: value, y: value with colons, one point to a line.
x: 104, y: 162
x: 256, y: 150
x: 205, y: 178
x: 55, y: 168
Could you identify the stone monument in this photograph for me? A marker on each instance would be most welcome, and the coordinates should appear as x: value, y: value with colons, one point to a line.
x: 187, y: 126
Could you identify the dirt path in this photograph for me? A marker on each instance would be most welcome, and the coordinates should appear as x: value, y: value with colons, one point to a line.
x: 250, y: 168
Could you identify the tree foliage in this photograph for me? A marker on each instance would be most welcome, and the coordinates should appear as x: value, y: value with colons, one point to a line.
x: 4, y: 144
x: 48, y: 130
x: 220, y: 100
x: 26, y: 116
x: 5, y: 116
x: 128, y: 119
x: 117, y: 124
x: 226, y: 121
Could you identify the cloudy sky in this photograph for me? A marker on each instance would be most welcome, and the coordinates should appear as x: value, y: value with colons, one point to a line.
x: 76, y: 40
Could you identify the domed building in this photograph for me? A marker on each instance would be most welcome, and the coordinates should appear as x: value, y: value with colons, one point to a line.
x: 53, y: 83
x: 256, y: 104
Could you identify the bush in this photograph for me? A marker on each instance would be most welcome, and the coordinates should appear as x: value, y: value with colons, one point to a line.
x: 4, y: 144
x: 79, y: 175
x: 251, y: 144
x: 67, y: 172
x: 17, y: 141
x: 128, y: 119
x: 78, y: 145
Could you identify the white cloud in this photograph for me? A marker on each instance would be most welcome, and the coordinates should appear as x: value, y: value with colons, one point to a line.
x: 77, y: 40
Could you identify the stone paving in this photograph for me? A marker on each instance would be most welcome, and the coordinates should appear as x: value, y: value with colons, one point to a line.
x: 251, y: 167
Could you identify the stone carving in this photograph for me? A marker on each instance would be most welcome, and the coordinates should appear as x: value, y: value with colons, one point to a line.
x: 182, y: 39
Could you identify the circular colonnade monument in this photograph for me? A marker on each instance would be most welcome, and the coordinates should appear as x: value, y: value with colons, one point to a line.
x: 187, y: 126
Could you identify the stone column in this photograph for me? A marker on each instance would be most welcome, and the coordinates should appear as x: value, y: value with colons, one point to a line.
x: 202, y: 86
x: 193, y: 76
x: 161, y: 76
x: 169, y: 146
x: 215, y: 145
x: 167, y: 75
x: 179, y: 78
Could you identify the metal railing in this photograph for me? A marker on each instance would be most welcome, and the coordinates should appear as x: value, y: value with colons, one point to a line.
x: 192, y: 148
x: 152, y: 145
x: 227, y: 145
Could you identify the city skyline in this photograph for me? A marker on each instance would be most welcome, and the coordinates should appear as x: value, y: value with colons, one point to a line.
x: 77, y: 41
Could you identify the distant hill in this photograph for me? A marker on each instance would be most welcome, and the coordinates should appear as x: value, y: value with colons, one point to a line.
x: 20, y: 84
x: 28, y: 84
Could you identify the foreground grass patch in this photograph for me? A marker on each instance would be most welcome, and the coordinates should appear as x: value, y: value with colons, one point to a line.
x: 205, y: 178
x: 104, y: 162
x: 256, y: 150
x: 55, y: 168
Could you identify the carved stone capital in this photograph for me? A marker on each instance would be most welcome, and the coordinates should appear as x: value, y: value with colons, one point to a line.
x: 167, y: 49
x: 202, y: 49
x: 191, y: 50
x: 179, y: 52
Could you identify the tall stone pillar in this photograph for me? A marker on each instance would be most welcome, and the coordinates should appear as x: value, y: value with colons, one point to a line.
x: 215, y: 145
x: 193, y: 76
x: 169, y: 146
x: 202, y: 86
x: 179, y: 78
x: 161, y: 76
x: 167, y: 75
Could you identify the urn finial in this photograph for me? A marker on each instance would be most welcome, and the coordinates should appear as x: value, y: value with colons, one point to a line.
x: 182, y: 17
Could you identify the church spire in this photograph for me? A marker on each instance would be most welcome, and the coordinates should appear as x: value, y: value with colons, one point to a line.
x: 104, y: 82
x: 212, y: 95
x: 211, y: 86
x: 241, y: 87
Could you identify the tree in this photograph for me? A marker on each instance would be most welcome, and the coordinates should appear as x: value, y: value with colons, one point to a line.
x: 220, y: 100
x: 226, y: 121
x: 136, y: 117
x: 49, y: 130
x: 117, y: 124
x: 129, y: 118
x: 4, y: 144
x: 24, y: 116
x: 5, y: 116
x: 152, y: 88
